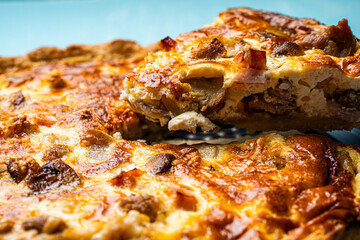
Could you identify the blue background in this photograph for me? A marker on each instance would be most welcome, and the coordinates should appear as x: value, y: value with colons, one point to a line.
x: 27, y: 25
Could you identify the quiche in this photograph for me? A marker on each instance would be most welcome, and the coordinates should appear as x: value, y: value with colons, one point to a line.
x: 298, y: 187
x: 73, y: 164
x: 252, y: 69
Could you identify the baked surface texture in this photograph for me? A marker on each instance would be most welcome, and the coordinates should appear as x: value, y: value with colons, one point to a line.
x: 77, y: 88
x: 66, y: 171
x: 298, y: 187
x: 252, y: 69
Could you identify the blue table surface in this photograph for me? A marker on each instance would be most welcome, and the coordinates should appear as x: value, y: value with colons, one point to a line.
x: 27, y: 24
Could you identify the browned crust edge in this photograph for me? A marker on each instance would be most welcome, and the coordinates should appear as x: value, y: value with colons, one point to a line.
x: 117, y: 49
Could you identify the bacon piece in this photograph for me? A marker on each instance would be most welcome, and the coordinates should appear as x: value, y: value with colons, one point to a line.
x: 168, y: 43
x: 253, y: 59
x: 257, y: 60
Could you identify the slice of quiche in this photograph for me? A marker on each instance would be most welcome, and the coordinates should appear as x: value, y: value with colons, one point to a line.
x: 252, y: 69
x: 298, y: 187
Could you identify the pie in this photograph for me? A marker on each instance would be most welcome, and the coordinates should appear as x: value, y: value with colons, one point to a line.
x: 298, y: 187
x: 252, y: 69
x: 72, y: 165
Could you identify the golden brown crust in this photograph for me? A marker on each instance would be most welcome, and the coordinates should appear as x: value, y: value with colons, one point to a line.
x: 117, y: 49
x: 252, y: 67
x: 298, y: 187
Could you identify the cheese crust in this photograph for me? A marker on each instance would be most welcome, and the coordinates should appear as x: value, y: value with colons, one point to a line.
x: 253, y: 69
x: 298, y: 187
x: 77, y: 88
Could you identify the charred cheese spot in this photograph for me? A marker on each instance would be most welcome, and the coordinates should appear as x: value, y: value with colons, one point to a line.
x: 86, y: 114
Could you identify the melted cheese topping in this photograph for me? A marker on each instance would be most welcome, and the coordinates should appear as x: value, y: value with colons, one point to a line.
x: 79, y: 96
x: 253, y: 69
x: 56, y: 103
x: 67, y: 173
x: 267, y: 188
